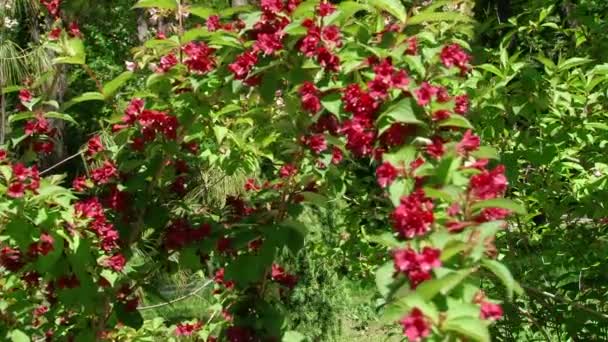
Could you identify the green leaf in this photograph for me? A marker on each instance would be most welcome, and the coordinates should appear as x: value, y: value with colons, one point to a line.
x: 61, y: 116
x: 572, y: 63
x: 402, y: 112
x: 445, y: 284
x: 503, y: 273
x: 20, y: 116
x: 456, y: 120
x: 485, y: 152
x: 384, y: 278
x: 293, y: 336
x: 394, y: 7
x: 19, y: 336
x: 88, y: 96
x: 500, y: 203
x: 75, y: 53
x: 401, y: 307
x: 201, y: 11
x: 229, y: 12
x: 473, y: 328
x: 11, y: 89
x: 446, y: 169
x: 385, y: 239
x: 315, y: 198
x: 269, y: 86
x: 423, y: 17
x: 163, y: 4
x: 332, y: 103
x: 346, y: 11
x: 220, y: 133
x: 110, y: 89
x: 491, y: 68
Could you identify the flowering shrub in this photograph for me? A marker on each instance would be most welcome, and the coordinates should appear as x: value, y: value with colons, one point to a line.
x: 302, y: 94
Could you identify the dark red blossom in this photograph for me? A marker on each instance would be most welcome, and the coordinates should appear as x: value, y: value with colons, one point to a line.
x: 279, y: 275
x: 336, y: 156
x: 43, y: 147
x: 11, y: 259
x: 89, y: 208
x: 288, y: 170
x: 39, y: 125
x: 309, y: 44
x: 25, y: 95
x: 16, y: 190
x: 386, y: 174
x: 414, y: 216
x: 309, y: 97
x: 74, y: 30
x: 116, y: 262
x: 331, y: 35
x: 396, y: 134
x: 415, y: 326
x: 154, y: 122
x: 453, y: 55
x: 316, y: 142
x: 52, y: 6
x: 360, y: 137
x: 441, y: 114
x: 416, y: 266
x: 243, y: 64
x: 271, y: 6
x: 425, y: 93
x: 491, y: 311
x: 94, y: 145
x: 329, y: 61
x: 43, y: 247
x: 213, y: 23
x: 200, y: 59
x: 105, y: 173
x: 325, y: 8
x: 469, y: 143
x: 461, y: 104
x: 492, y: 214
x: 436, y: 149
x: 187, y: 329
x: 166, y: 63
x: 412, y: 46
x: 488, y: 184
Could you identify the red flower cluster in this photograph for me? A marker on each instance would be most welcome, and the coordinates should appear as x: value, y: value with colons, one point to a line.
x: 52, y: 6
x: 94, y: 146
x: 386, y: 77
x: 200, y: 58
x: 319, y: 42
x: 288, y: 170
x: 40, y: 126
x: 315, y: 142
x: 181, y: 233
x: 116, y: 262
x: 469, y: 143
x: 43, y: 247
x: 488, y: 184
x: 386, y: 174
x: 187, y: 329
x: 105, y: 173
x: 23, y: 179
x: 309, y: 97
x: 11, y: 259
x: 414, y: 216
x: 25, y: 96
x: 453, y: 55
x: 243, y: 65
x: 219, y: 279
x: 491, y: 311
x: 92, y: 209
x: 415, y: 326
x: 152, y: 123
x: 166, y: 63
x: 213, y: 23
x: 417, y: 266
x: 279, y: 275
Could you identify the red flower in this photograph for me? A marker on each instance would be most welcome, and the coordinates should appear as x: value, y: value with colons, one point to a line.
x: 89, y: 208
x: 442, y: 95
x: 52, y: 6
x: 43, y: 247
x: 133, y: 111
x: 386, y: 174
x: 309, y: 44
x: 25, y: 95
x: 251, y: 185
x: 105, y: 173
x: 74, y: 30
x: 491, y: 311
x: 328, y: 60
x: 44, y: 147
x: 359, y: 102
x: 200, y: 59
x: 441, y: 114
x: 325, y: 8
x: 288, y: 170
x: 396, y: 134
x: 94, y: 146
x: 187, y: 329
x: 331, y: 34
x: 11, y: 259
x: 39, y: 125
x: 492, y: 214
x: 336, y: 156
x: 213, y: 23
x: 292, y: 5
x: 400, y: 80
x: 16, y: 190
x: 3, y: 155
x: 271, y: 6
x: 279, y: 275
x: 360, y: 138
x: 489, y: 184
x: 309, y: 97
x: 415, y: 326
x: 268, y: 43
x: 166, y: 63
x: 326, y: 123
x: 414, y: 216
x: 425, y: 93
x: 461, y: 105
x: 116, y: 262
x: 243, y: 64
x: 316, y: 142
x: 436, y: 148
x: 412, y: 46
x: 469, y: 143
x: 417, y: 266
x: 454, y: 55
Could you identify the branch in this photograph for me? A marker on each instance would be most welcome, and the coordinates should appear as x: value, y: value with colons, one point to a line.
x: 567, y: 301
x: 176, y: 299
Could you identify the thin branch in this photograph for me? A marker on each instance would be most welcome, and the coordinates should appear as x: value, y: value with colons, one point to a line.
x: 61, y: 162
x: 176, y: 299
x: 567, y: 301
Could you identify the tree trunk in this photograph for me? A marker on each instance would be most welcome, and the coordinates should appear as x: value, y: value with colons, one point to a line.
x: 142, y: 26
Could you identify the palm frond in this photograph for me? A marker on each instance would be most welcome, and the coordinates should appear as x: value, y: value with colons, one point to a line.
x: 17, y: 63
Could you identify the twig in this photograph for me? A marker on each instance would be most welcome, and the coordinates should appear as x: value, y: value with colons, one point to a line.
x: 176, y: 299
x: 567, y: 301
x: 61, y: 162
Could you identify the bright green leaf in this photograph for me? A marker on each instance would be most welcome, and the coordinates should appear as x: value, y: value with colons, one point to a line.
x: 503, y: 273
x: 394, y: 7
x: 163, y: 4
